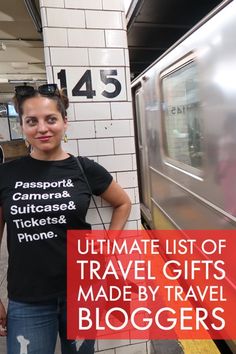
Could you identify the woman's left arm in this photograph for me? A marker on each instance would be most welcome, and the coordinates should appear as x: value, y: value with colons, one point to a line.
x: 121, y: 204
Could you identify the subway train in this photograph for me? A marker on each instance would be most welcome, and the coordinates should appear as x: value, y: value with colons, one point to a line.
x: 185, y: 125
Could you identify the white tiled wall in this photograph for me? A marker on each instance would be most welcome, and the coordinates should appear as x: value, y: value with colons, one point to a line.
x: 124, y: 145
x: 116, y: 163
x: 131, y: 194
x: 55, y: 37
x: 126, y: 57
x: 71, y: 112
x: 84, y: 4
x: 112, y: 128
x: 108, y: 57
x: 86, y: 38
x: 124, y: 22
x: 116, y: 38
x: 90, y: 35
x: 91, y: 147
x: 93, y: 111
x: 44, y: 17
x: 133, y: 225
x: 71, y: 147
x: 81, y: 130
x: 135, y: 212
x: 70, y: 56
x: 113, y: 5
x: 127, y: 73
x: 103, y: 19
x: 131, y: 124
x: 134, y: 162
x: 52, y: 3
x: 127, y: 179
x: 49, y: 73
x: 47, y: 57
x: 65, y: 18
x: 121, y: 110
x: 136, y: 192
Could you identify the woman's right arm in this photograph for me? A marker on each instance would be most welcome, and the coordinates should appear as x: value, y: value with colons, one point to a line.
x: 2, y: 308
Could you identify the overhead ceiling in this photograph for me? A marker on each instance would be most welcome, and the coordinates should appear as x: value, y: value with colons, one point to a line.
x: 154, y: 25
x: 21, y: 47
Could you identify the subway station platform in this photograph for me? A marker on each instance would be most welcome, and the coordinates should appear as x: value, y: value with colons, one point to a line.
x: 92, y: 48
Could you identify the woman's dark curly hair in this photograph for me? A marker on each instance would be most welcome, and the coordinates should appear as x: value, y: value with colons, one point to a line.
x: 60, y: 98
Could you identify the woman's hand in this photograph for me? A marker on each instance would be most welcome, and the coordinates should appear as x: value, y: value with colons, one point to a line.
x: 3, y: 320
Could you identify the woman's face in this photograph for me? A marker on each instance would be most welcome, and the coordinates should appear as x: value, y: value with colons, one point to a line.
x: 42, y: 124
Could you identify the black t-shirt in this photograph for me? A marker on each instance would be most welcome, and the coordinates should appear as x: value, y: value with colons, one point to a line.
x: 41, y: 200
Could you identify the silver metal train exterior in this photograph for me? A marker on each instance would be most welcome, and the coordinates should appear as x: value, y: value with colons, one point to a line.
x: 185, y: 110
x: 185, y: 120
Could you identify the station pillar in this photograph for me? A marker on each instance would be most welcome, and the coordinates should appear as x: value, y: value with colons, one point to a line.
x: 86, y: 52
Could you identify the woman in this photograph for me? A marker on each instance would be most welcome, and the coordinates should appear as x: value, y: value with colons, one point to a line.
x: 41, y: 196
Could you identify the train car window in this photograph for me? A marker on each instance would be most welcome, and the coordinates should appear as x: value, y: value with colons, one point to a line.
x: 12, y: 144
x: 4, y: 129
x: 3, y: 110
x: 10, y: 128
x: 12, y: 111
x: 181, y: 113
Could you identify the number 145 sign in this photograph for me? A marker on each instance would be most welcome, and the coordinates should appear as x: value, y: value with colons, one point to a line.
x: 92, y: 84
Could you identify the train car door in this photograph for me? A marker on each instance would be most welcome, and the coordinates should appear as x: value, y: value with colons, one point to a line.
x: 142, y: 156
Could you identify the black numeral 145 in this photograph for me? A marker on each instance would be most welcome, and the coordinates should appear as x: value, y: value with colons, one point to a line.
x: 106, y: 76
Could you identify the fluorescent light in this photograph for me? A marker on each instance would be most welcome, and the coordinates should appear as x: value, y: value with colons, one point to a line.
x: 20, y: 65
x: 3, y: 46
x: 5, y: 17
x: 26, y: 81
